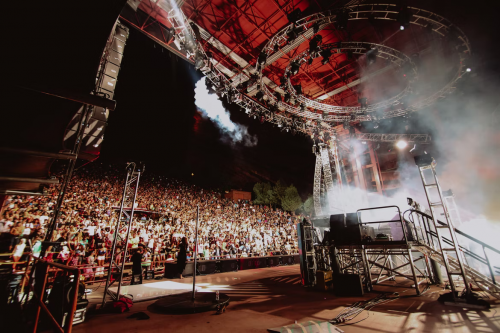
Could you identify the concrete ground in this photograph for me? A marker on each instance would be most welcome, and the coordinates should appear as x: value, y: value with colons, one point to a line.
x: 273, y: 297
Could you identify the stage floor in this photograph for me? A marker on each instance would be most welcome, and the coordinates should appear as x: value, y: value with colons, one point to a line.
x: 273, y: 297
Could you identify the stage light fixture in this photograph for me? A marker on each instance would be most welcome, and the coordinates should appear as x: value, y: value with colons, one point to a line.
x: 276, y: 48
x: 294, y: 68
x: 278, y: 96
x: 303, y: 107
x: 363, y: 142
x: 316, y: 27
x: 314, y: 42
x: 310, y: 61
x: 287, y: 97
x: 371, y: 56
x: 401, y: 144
x: 259, y: 95
x: 468, y: 69
x: 404, y: 17
x: 298, y: 89
x: 341, y: 20
x: 376, y: 124
x: 292, y: 35
x: 262, y: 58
x: 326, y: 54
x: 363, y: 103
x: 282, y: 82
x: 248, y: 110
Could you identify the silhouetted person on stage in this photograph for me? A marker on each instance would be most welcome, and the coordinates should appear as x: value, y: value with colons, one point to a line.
x: 182, y: 256
x: 137, y: 265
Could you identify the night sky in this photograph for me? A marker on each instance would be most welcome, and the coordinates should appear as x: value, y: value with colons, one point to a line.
x: 156, y: 121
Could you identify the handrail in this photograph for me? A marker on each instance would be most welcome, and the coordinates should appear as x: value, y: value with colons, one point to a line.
x: 458, y: 231
x: 403, y: 227
x: 68, y: 324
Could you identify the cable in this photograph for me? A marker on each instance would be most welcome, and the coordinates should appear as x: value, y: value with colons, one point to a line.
x: 354, y: 310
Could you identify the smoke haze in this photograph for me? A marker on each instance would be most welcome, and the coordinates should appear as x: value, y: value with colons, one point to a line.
x: 211, y: 107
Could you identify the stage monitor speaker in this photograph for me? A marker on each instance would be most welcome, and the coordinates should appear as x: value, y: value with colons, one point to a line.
x: 351, y: 219
x: 228, y: 265
x: 273, y: 261
x: 348, y: 285
x: 260, y: 262
x: 245, y: 263
x: 324, y: 280
x: 206, y: 266
x: 287, y: 260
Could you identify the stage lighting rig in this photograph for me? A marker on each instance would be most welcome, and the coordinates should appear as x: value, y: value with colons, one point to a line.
x: 401, y: 144
x: 262, y: 58
x: 303, y: 107
x: 260, y: 96
x: 371, y: 56
x: 404, y: 17
x: 376, y: 124
x: 298, y: 89
x: 326, y: 54
x: 283, y: 82
x: 314, y: 44
x: 287, y: 98
x: 294, y: 68
x: 278, y: 96
x: 341, y: 20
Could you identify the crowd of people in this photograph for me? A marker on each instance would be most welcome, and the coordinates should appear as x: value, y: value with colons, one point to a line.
x: 166, y: 212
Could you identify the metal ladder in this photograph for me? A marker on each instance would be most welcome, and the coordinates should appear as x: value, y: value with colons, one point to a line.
x: 426, y: 163
x: 128, y: 201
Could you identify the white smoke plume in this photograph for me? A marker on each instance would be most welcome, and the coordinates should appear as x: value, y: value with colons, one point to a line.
x: 211, y: 107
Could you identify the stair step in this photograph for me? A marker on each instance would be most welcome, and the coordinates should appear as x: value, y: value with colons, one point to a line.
x: 436, y: 204
x: 442, y: 227
x: 449, y: 249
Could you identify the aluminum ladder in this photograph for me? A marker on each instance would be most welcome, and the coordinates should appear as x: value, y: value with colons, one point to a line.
x: 454, y: 266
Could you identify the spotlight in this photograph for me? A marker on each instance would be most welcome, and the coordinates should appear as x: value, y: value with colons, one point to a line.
x: 404, y: 17
x: 326, y: 54
x: 292, y: 35
x: 468, y: 69
x: 363, y: 142
x: 282, y: 82
x: 341, y: 20
x: 262, y: 58
x: 310, y: 61
x: 325, y: 114
x: 278, y: 96
x: 248, y: 110
x: 375, y: 124
x: 401, y: 144
x: 303, y: 107
x: 371, y: 56
x: 276, y: 47
x: 314, y: 42
x: 259, y: 95
x: 316, y: 27
x: 287, y: 97
x: 294, y: 68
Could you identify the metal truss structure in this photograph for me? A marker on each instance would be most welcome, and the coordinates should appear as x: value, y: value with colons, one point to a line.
x: 381, y: 137
x: 130, y: 188
x: 225, y: 42
x: 327, y: 173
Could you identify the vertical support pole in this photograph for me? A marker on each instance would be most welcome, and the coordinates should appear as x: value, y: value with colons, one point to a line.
x: 195, y: 250
x: 42, y: 294
x: 489, y: 267
x: 412, y: 265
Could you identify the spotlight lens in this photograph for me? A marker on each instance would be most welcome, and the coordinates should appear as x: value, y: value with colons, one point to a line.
x: 402, y: 27
x: 401, y: 144
x: 468, y: 69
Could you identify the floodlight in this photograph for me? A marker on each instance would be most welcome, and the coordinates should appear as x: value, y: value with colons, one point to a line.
x: 401, y: 144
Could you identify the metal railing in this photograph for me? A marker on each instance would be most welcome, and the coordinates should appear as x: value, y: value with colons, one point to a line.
x: 40, y: 272
x: 399, y: 220
x: 427, y: 235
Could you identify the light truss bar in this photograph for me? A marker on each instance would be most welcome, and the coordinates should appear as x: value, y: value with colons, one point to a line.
x: 381, y: 137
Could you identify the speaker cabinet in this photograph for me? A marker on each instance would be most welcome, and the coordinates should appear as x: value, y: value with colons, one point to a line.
x: 348, y: 285
x: 228, y: 265
x: 206, y: 266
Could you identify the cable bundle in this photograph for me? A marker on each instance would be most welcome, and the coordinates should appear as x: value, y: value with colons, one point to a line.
x: 354, y: 310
